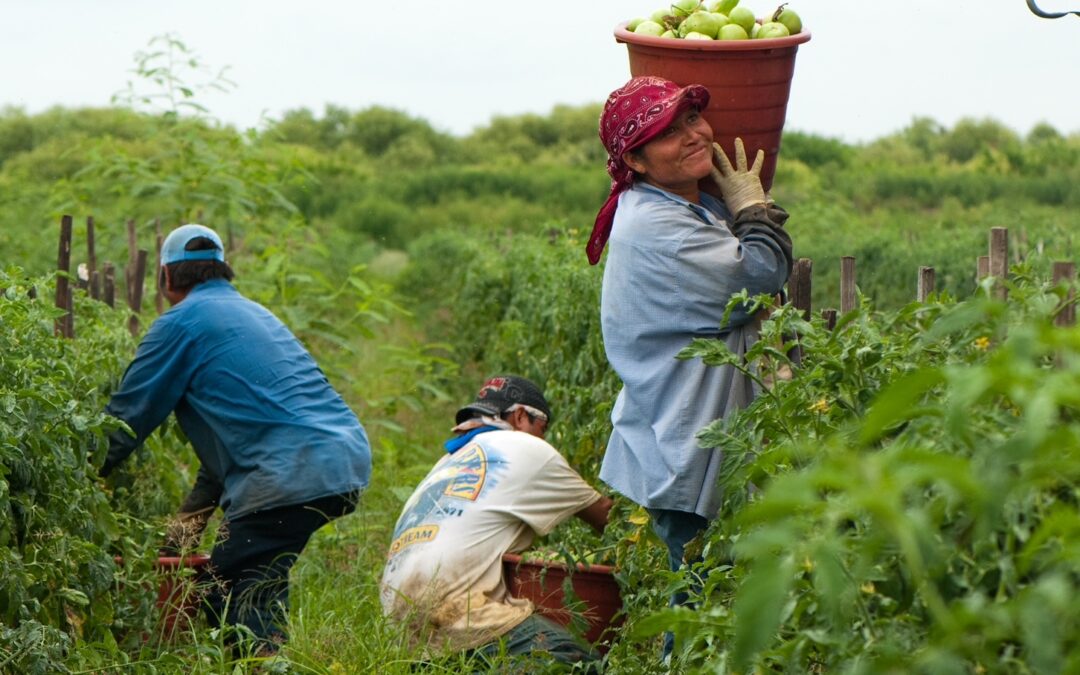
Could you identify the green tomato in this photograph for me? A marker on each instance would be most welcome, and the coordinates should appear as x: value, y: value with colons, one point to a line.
x: 633, y: 23
x: 705, y: 23
x: 684, y: 7
x: 789, y: 18
x: 755, y: 30
x: 773, y: 29
x: 669, y: 34
x: 723, y: 6
x: 693, y: 35
x: 733, y: 31
x: 662, y: 17
x: 649, y: 28
x: 744, y: 17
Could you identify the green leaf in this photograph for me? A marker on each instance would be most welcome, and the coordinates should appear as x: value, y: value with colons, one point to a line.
x: 758, y: 606
x: 897, y: 403
x: 663, y: 621
x: 960, y: 318
x: 73, y: 596
x: 830, y: 581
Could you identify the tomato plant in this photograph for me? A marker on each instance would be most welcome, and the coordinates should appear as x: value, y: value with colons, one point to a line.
x: 906, y: 500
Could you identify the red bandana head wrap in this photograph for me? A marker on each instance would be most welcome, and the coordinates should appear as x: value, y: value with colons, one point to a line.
x: 635, y: 114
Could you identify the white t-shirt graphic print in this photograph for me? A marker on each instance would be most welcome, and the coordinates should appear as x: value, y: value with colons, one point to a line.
x: 443, y: 576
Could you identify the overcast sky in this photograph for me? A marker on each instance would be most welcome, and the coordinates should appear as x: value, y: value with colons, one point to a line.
x: 869, y: 69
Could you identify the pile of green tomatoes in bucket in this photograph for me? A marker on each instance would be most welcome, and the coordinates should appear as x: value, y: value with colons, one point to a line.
x: 716, y: 20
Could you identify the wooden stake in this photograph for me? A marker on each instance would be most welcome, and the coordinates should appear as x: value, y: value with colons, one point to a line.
x: 982, y: 268
x: 847, y: 284
x: 999, y: 260
x: 799, y: 292
x: 109, y: 285
x: 62, y: 325
x: 799, y: 286
x: 926, y: 283
x: 129, y: 269
x: 137, y: 291
x: 1065, y: 273
x: 91, y: 259
x: 830, y: 318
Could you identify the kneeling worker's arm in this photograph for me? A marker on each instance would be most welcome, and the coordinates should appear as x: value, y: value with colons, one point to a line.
x: 596, y: 514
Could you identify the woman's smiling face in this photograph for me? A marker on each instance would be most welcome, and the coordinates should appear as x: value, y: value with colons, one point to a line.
x: 677, y: 158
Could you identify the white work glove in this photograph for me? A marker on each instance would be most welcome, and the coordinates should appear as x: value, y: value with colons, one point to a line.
x: 739, y: 186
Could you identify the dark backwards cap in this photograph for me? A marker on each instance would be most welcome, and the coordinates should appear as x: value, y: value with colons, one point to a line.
x: 500, y: 393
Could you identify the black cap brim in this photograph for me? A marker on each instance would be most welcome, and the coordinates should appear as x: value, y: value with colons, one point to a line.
x: 482, y: 408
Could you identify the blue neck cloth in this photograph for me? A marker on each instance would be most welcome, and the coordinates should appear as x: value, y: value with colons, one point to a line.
x: 458, y: 442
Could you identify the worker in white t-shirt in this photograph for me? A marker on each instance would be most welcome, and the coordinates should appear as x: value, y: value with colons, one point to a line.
x: 499, y: 486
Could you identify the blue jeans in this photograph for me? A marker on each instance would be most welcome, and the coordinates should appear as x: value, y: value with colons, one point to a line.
x: 676, y: 529
x: 539, y: 636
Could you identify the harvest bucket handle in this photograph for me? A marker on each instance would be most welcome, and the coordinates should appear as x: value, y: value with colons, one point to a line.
x: 1047, y: 15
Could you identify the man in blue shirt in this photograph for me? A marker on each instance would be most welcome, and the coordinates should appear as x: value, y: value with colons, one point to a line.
x: 280, y: 451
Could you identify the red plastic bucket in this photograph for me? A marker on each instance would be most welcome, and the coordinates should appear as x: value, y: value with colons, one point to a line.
x: 749, y: 83
x: 178, y: 597
x: 542, y: 583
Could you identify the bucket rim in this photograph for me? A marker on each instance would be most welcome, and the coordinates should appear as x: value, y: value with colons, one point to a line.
x: 173, y: 561
x: 596, y: 568
x: 626, y: 37
x: 194, y: 560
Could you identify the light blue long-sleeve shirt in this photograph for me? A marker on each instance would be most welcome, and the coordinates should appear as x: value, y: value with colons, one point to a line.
x: 671, y: 268
x: 261, y: 415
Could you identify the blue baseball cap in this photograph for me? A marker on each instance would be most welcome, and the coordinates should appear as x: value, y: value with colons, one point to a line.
x: 173, y: 251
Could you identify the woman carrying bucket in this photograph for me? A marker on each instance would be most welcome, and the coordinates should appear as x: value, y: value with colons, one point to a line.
x: 676, y: 255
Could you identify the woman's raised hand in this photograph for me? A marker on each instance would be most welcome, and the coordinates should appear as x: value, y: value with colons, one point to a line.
x: 739, y: 186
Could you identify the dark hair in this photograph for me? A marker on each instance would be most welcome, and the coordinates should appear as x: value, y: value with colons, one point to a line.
x: 187, y: 274
x: 638, y: 154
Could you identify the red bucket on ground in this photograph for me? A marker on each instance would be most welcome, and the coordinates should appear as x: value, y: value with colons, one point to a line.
x: 542, y: 583
x: 179, y: 597
x: 749, y: 83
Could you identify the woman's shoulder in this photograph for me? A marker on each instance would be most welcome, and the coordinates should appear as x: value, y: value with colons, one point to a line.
x: 645, y: 198
x: 654, y: 221
x: 645, y: 213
